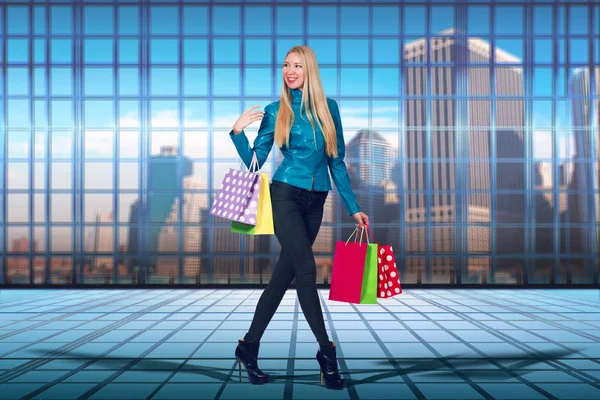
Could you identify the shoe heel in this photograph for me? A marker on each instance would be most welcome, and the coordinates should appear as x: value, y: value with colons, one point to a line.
x: 240, y: 365
x: 321, y: 377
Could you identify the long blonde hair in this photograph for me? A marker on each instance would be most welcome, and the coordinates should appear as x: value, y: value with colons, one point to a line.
x: 314, y: 102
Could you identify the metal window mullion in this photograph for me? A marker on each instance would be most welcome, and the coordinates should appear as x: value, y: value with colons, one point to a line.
x: 115, y: 161
x: 401, y: 144
x: 143, y: 208
x: 211, y: 133
x: 493, y: 149
x: 78, y: 246
x: 428, y: 142
x: 4, y: 140
x: 30, y: 250
x: 180, y: 174
x: 593, y: 244
x: 48, y: 192
x: 241, y: 72
x: 528, y: 75
x: 555, y: 155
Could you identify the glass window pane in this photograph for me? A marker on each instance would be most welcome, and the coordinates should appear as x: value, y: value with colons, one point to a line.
x: 290, y: 20
x: 18, y: 176
x: 195, y: 20
x: 578, y: 20
x: 61, y: 177
x: 61, y: 51
x: 195, y: 51
x: 513, y: 47
x: 226, y: 81
x: 322, y: 20
x: 129, y: 20
x: 195, y: 114
x: 62, y: 241
x: 414, y: 20
x: 442, y: 18
x: 226, y: 51
x: 39, y: 21
x: 158, y: 141
x: 98, y: 82
x: 17, y: 20
x: 542, y: 20
x: 355, y: 82
x: 39, y: 82
x: 164, y: 114
x: 98, y: 144
x: 283, y: 46
x: 129, y: 144
x: 129, y: 175
x: 195, y: 144
x: 325, y: 50
x: 61, y: 144
x: 41, y: 141
x: 98, y: 51
x: 386, y: 20
x: 226, y: 20
x: 355, y: 20
x: 61, y: 81
x: 195, y: 81
x: 39, y: 176
x: 39, y: 112
x: 164, y: 51
x: 98, y: 20
x: 98, y: 175
x: 17, y: 144
x: 578, y: 51
x: 509, y: 20
x: 39, y: 51
x: 18, y: 113
x: 39, y: 209
x: 222, y: 112
x: 257, y: 20
x: 543, y: 51
x: 329, y: 80
x: 129, y: 82
x: 257, y: 82
x: 18, y: 81
x: 61, y: 20
x: 62, y: 113
x: 18, y: 50
x: 386, y: 51
x: 385, y: 82
x: 257, y: 51
x: 99, y: 114
x: 355, y: 51
x: 384, y: 116
x: 129, y: 51
x: 164, y: 82
x: 17, y: 208
x: 60, y: 207
x: 164, y: 20
x: 542, y: 82
x: 478, y: 20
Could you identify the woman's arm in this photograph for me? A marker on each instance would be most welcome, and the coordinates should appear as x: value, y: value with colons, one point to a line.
x: 262, y: 144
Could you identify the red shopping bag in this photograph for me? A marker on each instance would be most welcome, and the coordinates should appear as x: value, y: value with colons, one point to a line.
x: 388, y: 280
x: 348, y: 270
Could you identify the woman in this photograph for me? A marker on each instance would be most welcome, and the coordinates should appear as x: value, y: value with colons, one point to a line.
x: 306, y: 126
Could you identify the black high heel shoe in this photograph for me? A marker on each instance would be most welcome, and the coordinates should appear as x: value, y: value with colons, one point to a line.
x: 247, y: 353
x: 330, y: 374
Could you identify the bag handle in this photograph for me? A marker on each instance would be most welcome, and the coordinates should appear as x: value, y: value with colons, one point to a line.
x: 356, y: 237
x: 253, y: 167
x: 369, y: 231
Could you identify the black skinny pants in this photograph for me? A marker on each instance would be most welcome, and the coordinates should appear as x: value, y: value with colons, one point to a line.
x: 297, y: 216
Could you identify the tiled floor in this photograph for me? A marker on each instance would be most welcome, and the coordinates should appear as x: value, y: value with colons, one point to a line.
x: 178, y: 344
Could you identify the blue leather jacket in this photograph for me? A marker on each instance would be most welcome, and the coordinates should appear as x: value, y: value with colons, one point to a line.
x: 305, y: 162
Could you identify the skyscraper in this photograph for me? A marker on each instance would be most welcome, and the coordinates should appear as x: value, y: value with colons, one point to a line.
x: 509, y: 114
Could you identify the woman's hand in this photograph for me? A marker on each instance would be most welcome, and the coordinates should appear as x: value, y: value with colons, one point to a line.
x: 361, y: 218
x: 248, y: 117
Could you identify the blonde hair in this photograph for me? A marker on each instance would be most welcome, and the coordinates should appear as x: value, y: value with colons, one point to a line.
x: 314, y: 102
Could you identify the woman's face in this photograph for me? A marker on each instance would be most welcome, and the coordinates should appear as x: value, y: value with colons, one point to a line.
x: 293, y: 71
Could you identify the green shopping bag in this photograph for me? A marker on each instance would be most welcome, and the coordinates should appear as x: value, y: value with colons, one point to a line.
x: 368, y: 294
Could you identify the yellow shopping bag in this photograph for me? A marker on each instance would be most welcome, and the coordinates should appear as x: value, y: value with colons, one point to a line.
x: 264, y: 213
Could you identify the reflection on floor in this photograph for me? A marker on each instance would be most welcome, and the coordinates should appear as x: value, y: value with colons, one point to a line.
x: 178, y: 344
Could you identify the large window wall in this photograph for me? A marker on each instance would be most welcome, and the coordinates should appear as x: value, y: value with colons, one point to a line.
x: 471, y: 131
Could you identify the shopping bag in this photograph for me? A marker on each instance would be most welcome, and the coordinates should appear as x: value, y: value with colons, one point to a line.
x: 388, y: 279
x: 237, y: 199
x: 369, y: 283
x: 264, y: 214
x: 348, y: 271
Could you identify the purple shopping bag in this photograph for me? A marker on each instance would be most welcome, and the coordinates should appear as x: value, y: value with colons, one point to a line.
x: 237, y: 199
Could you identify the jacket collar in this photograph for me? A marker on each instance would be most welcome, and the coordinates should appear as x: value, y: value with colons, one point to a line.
x: 296, y: 95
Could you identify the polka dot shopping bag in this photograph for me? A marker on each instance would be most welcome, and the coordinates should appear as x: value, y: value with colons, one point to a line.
x: 237, y: 199
x: 388, y: 279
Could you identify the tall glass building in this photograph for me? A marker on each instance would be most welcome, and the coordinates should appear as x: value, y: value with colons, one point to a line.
x: 472, y: 134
